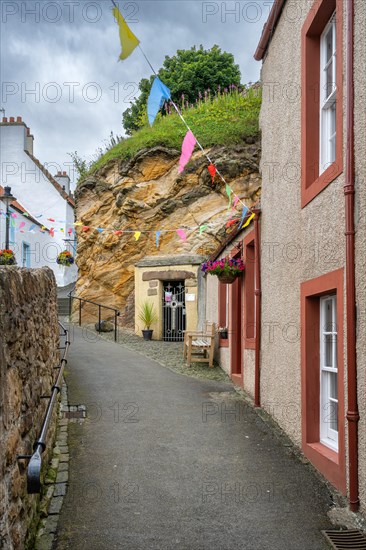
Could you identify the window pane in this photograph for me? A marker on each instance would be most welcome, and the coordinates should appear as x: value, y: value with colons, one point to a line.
x: 333, y: 416
x: 333, y: 385
x: 328, y: 316
x: 329, y: 44
x: 328, y: 350
x: 329, y: 83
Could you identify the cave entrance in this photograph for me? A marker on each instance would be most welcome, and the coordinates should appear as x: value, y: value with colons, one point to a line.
x: 174, y: 311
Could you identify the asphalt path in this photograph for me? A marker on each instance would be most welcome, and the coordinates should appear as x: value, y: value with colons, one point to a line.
x: 166, y: 461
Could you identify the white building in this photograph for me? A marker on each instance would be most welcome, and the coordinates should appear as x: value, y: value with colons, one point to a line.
x: 47, y: 228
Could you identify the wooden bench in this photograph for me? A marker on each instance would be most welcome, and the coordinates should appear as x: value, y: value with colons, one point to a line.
x: 199, y: 347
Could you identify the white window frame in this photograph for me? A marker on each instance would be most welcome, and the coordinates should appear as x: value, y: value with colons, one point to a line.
x: 26, y: 259
x: 328, y: 403
x: 327, y: 99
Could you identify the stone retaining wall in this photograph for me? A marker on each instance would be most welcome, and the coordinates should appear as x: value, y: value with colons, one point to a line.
x: 29, y: 338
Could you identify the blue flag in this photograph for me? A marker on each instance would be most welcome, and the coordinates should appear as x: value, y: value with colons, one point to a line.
x: 157, y: 238
x: 245, y: 210
x: 158, y: 94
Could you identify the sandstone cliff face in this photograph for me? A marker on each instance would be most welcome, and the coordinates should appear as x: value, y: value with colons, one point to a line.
x: 148, y: 194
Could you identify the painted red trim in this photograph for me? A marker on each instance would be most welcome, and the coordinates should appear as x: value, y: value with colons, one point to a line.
x: 249, y: 290
x: 258, y: 305
x: 235, y: 331
x: 330, y: 463
x: 268, y: 29
x: 311, y: 182
x: 349, y: 192
x: 223, y: 322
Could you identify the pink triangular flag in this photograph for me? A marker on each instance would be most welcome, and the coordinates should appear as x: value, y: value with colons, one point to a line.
x: 182, y: 234
x: 187, y: 149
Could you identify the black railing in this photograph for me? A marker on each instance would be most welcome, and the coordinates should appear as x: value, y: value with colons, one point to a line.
x: 83, y: 301
x: 35, y: 460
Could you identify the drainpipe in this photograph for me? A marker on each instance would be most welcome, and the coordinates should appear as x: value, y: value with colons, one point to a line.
x: 349, y: 192
x: 258, y: 298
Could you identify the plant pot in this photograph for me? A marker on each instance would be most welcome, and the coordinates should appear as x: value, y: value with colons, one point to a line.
x: 147, y: 334
x: 227, y: 279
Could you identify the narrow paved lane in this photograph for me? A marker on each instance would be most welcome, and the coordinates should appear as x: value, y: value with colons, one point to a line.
x: 165, y: 461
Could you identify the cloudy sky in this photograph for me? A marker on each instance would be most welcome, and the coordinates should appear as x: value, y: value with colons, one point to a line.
x: 60, y: 69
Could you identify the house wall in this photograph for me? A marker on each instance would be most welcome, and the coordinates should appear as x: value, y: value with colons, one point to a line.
x: 297, y: 244
x: 152, y: 291
x: 37, y: 194
x: 360, y: 221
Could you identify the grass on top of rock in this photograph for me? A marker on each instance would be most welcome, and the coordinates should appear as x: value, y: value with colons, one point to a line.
x: 225, y: 119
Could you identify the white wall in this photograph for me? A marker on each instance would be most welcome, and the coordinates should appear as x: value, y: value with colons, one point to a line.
x: 38, y: 196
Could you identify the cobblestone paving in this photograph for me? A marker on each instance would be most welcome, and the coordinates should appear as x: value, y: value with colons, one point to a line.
x: 168, y: 354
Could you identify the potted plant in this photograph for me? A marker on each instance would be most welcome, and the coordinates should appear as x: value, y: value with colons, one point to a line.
x: 148, y: 316
x: 65, y: 258
x: 226, y: 269
x: 7, y: 257
x: 223, y: 332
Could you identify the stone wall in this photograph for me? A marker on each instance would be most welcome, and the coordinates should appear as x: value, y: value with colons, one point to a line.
x: 29, y: 338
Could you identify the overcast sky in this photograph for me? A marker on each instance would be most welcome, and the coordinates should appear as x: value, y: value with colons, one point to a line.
x: 60, y: 69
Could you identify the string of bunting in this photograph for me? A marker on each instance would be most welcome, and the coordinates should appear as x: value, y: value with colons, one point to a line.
x: 158, y: 95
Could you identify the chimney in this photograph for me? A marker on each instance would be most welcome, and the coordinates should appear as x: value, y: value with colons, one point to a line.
x: 63, y: 179
x: 19, y: 119
x: 11, y: 119
x: 29, y: 140
x: 5, y: 119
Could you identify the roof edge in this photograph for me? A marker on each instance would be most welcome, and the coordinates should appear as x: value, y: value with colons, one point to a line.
x: 268, y: 29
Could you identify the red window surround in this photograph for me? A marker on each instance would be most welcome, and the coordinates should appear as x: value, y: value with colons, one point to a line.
x: 311, y: 182
x: 330, y: 463
x: 249, y: 286
x: 223, y: 313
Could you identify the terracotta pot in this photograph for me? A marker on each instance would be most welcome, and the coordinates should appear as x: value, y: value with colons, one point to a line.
x: 227, y: 279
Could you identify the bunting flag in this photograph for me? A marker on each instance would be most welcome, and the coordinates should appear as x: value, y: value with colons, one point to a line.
x: 77, y: 224
x: 100, y: 229
x: 21, y: 225
x: 85, y: 228
x: 187, y: 149
x: 157, y: 238
x: 182, y: 234
x: 50, y: 219
x: 231, y: 222
x: 137, y: 235
x: 32, y: 227
x: 12, y: 222
x: 118, y: 232
x: 249, y: 220
x: 229, y: 193
x: 236, y: 200
x: 128, y: 40
x: 212, y: 169
x: 243, y: 214
x: 14, y: 215
x: 26, y: 214
x: 202, y: 228
x: 52, y: 232
x: 70, y: 231
x: 158, y: 94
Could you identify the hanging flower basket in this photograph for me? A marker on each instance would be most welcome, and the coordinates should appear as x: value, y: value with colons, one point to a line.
x: 226, y: 269
x: 227, y: 279
x: 65, y: 258
x: 7, y: 257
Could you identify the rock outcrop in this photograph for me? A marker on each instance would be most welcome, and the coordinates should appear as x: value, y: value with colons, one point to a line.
x: 148, y: 194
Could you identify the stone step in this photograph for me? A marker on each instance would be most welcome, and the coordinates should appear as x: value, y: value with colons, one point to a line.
x: 63, y: 306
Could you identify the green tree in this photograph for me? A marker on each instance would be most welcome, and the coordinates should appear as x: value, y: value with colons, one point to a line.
x: 189, y: 73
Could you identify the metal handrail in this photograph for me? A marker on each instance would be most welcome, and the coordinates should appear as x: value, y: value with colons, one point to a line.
x: 35, y: 460
x: 100, y: 306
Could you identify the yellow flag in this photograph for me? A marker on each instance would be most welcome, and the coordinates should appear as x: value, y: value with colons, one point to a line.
x: 249, y: 220
x: 137, y: 235
x: 128, y: 39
